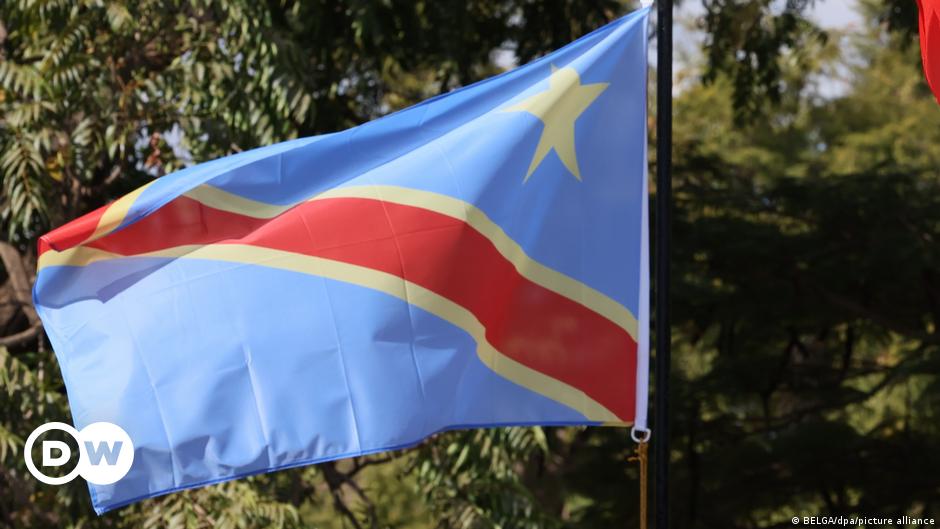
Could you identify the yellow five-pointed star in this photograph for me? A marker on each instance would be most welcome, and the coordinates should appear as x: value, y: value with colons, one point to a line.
x: 558, y: 108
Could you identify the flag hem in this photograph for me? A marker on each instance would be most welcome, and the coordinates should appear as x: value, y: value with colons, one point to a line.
x: 100, y: 510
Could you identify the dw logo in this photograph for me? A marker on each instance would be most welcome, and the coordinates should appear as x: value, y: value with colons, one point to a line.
x: 105, y: 453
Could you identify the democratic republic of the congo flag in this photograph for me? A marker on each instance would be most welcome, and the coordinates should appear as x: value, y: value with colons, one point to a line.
x: 479, y: 259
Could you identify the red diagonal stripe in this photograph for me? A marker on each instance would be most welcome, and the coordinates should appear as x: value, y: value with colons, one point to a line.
x: 525, y: 321
x: 71, y: 234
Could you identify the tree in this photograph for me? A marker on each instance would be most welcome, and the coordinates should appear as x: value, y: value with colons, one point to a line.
x: 808, y: 301
x: 750, y: 43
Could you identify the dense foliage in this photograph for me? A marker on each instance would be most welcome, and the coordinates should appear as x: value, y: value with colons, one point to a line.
x: 806, y: 266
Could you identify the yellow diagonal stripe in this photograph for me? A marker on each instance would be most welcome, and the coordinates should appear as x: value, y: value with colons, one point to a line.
x: 116, y: 213
x: 225, y: 201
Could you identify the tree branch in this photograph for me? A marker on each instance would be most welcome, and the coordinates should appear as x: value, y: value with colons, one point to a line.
x: 879, y: 318
x: 21, y: 337
x: 361, y: 463
x: 335, y: 480
x: 19, y: 281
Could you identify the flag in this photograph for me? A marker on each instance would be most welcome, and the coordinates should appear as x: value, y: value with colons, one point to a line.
x: 477, y: 260
x: 930, y: 42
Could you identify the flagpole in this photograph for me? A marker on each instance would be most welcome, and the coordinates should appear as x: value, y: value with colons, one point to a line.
x: 663, y: 223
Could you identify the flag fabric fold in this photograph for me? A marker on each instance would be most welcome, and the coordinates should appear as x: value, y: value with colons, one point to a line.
x: 479, y: 259
x: 929, y: 25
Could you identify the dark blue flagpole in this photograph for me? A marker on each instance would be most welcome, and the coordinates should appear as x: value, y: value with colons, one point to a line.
x: 663, y: 206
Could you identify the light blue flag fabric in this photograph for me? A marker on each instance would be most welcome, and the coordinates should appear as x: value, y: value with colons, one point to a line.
x: 479, y: 259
